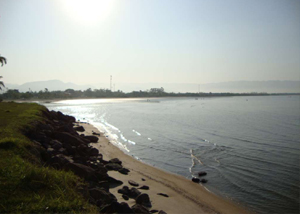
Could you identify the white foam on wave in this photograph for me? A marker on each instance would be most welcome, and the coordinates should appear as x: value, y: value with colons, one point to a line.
x: 132, y: 142
x: 111, y: 126
x: 113, y: 138
x: 139, y: 134
x: 126, y: 140
x: 149, y: 139
x: 123, y: 138
x: 194, y: 157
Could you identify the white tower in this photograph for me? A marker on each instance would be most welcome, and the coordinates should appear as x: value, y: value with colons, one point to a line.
x: 110, y: 82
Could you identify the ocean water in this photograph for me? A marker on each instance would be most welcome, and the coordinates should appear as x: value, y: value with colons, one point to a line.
x: 249, y: 146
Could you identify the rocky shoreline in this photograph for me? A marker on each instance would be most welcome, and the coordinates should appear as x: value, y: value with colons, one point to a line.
x: 59, y: 145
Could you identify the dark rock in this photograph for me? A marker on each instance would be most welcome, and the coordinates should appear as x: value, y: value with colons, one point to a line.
x: 70, y: 149
x: 143, y: 179
x: 63, y: 151
x: 79, y: 128
x: 101, y: 197
x: 202, y: 173
x: 113, y: 166
x: 52, y: 142
x: 133, y: 183
x: 56, y: 144
x: 104, y: 185
x: 124, y: 171
x: 95, y: 133
x: 137, y: 208
x: 61, y: 116
x: 162, y: 212
x: 45, y: 127
x: 65, y: 137
x: 67, y: 128
x: 124, y: 208
x: 125, y: 197
x: 115, y: 160
x: 94, y: 152
x: 79, y: 158
x: 163, y: 194
x: 144, y: 200
x: 153, y: 211
x: 59, y: 161
x: 50, y: 151
x: 133, y: 193
x: 144, y: 187
x: 87, y: 172
x: 203, y: 181
x: 114, y: 182
x: 116, y: 207
x: 196, y: 180
x: 125, y: 190
x: 91, y: 138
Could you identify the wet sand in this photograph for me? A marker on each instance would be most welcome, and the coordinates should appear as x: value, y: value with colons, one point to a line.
x: 185, y: 196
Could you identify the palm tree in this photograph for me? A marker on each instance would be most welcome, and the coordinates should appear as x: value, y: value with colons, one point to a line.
x: 2, y: 61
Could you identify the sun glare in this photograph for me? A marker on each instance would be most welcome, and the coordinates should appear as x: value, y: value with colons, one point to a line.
x: 88, y: 12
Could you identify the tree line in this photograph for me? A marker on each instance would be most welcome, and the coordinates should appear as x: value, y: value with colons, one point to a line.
x: 14, y: 94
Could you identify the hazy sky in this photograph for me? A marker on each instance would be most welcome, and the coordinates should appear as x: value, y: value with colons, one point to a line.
x: 142, y: 41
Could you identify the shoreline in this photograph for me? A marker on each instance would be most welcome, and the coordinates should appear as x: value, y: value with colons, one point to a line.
x: 185, y: 196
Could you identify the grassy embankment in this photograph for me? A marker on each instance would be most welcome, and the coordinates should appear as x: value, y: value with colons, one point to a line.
x: 26, y: 186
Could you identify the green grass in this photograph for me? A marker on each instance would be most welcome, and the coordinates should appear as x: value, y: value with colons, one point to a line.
x: 26, y: 186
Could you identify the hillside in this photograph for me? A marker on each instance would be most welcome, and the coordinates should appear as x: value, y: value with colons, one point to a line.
x: 26, y: 185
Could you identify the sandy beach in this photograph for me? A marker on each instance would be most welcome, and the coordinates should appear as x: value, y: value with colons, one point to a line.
x: 184, y: 196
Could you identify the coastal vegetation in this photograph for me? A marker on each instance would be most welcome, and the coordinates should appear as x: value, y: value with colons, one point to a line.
x: 26, y: 184
x: 2, y: 61
x: 46, y: 166
x: 14, y: 94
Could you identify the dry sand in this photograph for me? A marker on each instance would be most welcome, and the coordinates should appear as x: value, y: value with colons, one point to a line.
x: 185, y: 196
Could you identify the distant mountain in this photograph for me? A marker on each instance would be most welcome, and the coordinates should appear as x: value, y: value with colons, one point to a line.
x: 51, y: 85
x: 254, y: 86
x: 234, y: 87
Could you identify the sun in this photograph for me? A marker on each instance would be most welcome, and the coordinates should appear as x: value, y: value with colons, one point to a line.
x: 89, y: 12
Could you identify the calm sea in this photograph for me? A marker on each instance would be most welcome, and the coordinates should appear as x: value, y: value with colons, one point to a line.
x: 249, y: 146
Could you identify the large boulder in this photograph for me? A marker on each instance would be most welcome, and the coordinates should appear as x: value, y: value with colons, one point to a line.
x: 59, y: 161
x: 133, y: 183
x: 131, y: 193
x: 79, y: 128
x: 87, y: 172
x: 55, y: 144
x: 124, y: 190
x: 124, y: 171
x: 196, y: 180
x: 93, y: 152
x: 113, y: 183
x: 202, y: 173
x: 115, y: 160
x: 144, y: 200
x: 138, y: 208
x: 203, y: 181
x: 116, y: 207
x: 101, y: 197
x: 66, y: 137
x: 91, y: 138
x: 144, y: 187
x: 113, y: 166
